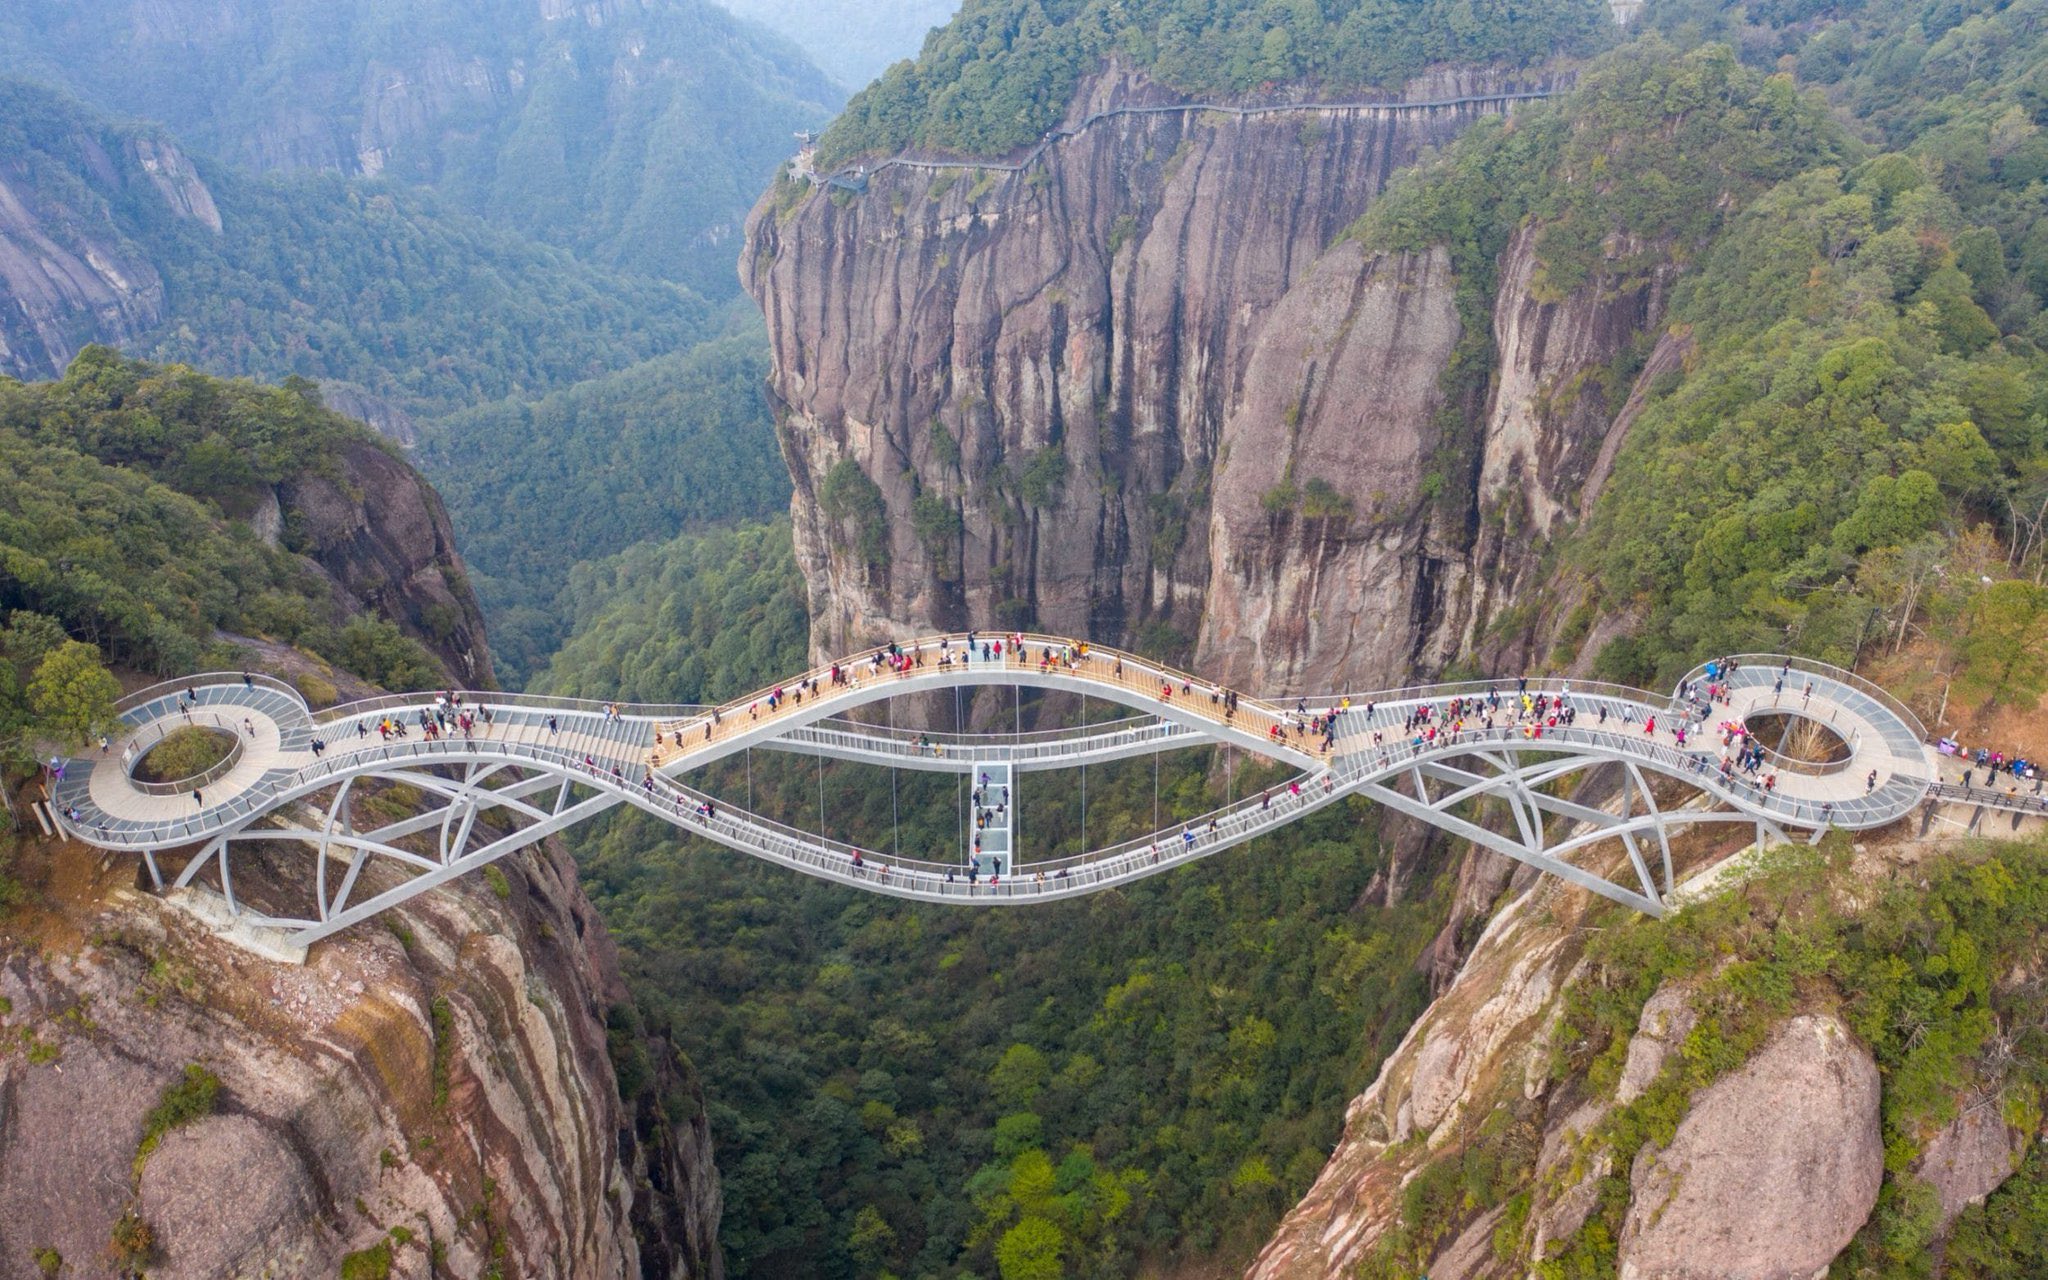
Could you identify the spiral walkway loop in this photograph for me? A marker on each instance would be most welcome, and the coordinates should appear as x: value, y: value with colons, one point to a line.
x: 535, y: 766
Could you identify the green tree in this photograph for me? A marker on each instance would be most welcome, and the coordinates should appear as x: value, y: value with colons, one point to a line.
x: 849, y: 496
x: 1019, y: 1076
x: 72, y: 695
x: 183, y: 753
x: 1044, y: 472
x: 1960, y: 461
x: 2005, y: 644
x: 871, y: 1239
x: 1958, y: 322
x: 1031, y: 1251
x: 1018, y: 1132
x: 1891, y: 512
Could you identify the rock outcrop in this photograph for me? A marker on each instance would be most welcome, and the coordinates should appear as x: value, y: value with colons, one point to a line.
x: 1772, y: 1172
x: 382, y: 535
x: 1485, y: 1040
x: 1775, y: 1167
x: 435, y: 1083
x: 68, y: 275
x: 1149, y: 382
x: 1063, y: 361
x: 379, y: 413
x: 1970, y: 1157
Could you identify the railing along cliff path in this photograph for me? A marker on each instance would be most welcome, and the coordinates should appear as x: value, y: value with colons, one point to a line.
x: 854, y: 177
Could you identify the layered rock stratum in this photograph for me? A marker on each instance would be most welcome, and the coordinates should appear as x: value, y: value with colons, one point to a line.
x: 381, y: 534
x: 1771, y: 1172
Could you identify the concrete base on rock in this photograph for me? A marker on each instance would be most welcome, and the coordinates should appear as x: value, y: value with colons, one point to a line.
x: 211, y: 910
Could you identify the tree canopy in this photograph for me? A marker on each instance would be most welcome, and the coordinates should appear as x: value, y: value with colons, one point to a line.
x: 1002, y: 71
x: 124, y: 541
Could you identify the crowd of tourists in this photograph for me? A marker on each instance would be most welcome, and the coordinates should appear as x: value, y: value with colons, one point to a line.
x: 2009, y: 774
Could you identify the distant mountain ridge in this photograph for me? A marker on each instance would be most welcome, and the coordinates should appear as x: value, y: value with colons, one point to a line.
x: 112, y: 233
x: 634, y: 132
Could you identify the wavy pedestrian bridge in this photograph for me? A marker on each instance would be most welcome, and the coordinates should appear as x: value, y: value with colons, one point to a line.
x: 527, y: 767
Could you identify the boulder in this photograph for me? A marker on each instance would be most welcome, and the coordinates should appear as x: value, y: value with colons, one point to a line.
x: 1970, y: 1158
x: 1773, y: 1171
x: 226, y: 1196
x: 1666, y: 1021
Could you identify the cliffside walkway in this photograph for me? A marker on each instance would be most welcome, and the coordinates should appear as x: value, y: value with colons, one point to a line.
x: 855, y: 177
x: 533, y: 766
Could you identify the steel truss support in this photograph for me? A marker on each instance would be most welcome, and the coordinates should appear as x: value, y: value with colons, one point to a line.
x: 453, y: 824
x: 1507, y: 774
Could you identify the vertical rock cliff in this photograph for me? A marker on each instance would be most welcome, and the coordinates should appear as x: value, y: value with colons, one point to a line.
x: 1474, y: 1074
x: 381, y: 534
x: 433, y: 1088
x: 1148, y: 382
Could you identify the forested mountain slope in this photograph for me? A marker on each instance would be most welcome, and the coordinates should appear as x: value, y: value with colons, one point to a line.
x: 435, y: 1092
x: 149, y: 507
x: 1855, y: 341
x: 543, y: 488
x: 113, y: 233
x: 634, y: 132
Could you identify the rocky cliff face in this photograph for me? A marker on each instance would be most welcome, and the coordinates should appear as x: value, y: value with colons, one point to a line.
x: 1770, y: 1171
x: 435, y: 1084
x: 1148, y: 382
x: 379, y: 413
x: 380, y: 532
x: 68, y: 276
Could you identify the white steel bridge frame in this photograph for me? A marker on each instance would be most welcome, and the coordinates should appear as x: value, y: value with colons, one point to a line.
x: 542, y: 766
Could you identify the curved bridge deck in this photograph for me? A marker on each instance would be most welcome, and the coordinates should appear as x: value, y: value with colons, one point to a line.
x: 1426, y: 751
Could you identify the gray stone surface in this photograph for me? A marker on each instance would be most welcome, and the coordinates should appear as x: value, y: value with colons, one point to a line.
x: 1970, y: 1158
x: 319, y: 1138
x: 1772, y: 1172
x: 1166, y: 301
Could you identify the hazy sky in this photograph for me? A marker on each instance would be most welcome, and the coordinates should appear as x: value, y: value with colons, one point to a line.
x: 852, y: 40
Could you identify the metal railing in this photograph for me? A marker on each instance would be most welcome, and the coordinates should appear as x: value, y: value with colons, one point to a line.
x: 1100, y: 666
x: 1069, y: 744
x: 1808, y: 666
x: 659, y: 712
x: 198, y: 781
x: 1885, y: 804
x: 1509, y: 688
x: 971, y: 741
x: 1811, y: 768
x: 251, y: 679
x: 2010, y: 800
